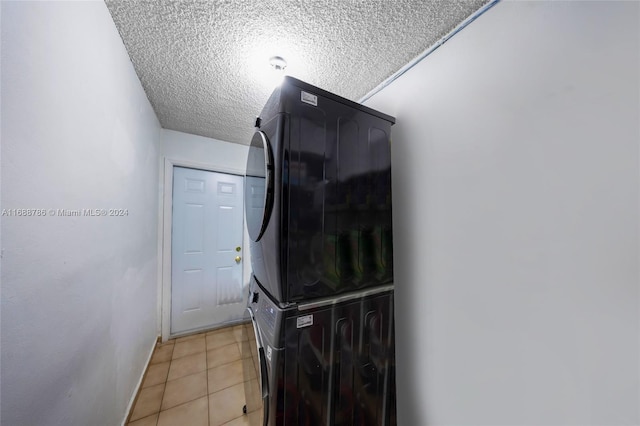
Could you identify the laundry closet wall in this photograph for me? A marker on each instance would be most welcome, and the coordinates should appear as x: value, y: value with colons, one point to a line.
x: 79, y: 294
x: 515, y: 185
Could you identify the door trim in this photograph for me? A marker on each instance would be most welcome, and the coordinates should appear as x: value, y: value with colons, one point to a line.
x: 164, y: 242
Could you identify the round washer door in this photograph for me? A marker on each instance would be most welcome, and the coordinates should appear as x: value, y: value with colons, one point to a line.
x: 259, y: 185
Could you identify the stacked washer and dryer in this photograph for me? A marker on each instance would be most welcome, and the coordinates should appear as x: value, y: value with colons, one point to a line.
x: 320, y: 344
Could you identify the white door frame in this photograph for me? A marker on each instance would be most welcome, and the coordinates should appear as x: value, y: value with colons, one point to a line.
x: 166, y: 212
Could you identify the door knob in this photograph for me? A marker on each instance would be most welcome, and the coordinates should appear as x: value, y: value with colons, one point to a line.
x: 238, y: 259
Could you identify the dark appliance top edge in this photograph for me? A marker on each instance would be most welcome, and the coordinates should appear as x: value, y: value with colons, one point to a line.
x: 344, y: 297
x: 316, y: 90
x: 304, y: 305
x: 281, y: 305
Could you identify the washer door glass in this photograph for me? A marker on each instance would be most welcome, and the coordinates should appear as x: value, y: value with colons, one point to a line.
x: 259, y: 185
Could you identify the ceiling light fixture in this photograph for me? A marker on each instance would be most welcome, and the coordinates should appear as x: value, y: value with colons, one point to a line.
x: 278, y: 63
x: 276, y: 76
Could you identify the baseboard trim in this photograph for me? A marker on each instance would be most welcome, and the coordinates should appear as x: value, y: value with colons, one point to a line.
x: 136, y: 392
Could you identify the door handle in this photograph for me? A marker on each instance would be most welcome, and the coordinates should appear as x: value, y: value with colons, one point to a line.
x: 238, y: 259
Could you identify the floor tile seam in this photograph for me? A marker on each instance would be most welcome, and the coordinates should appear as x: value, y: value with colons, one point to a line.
x: 184, y: 403
x: 165, y: 344
x: 222, y: 331
x: 182, y: 377
x: 152, y: 363
x: 206, y: 366
x: 164, y: 389
x: 223, y: 346
x: 183, y: 355
x: 142, y: 388
x: 219, y: 346
x: 226, y: 363
x: 227, y: 334
x: 233, y: 419
x: 227, y: 387
x: 191, y: 340
x: 159, y: 383
x: 194, y: 337
x: 219, y: 330
x: 142, y: 418
x: 192, y: 353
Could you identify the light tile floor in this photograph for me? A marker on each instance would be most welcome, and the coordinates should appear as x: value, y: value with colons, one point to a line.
x: 197, y: 380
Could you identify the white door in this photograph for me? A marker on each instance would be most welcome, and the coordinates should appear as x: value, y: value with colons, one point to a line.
x: 206, y: 249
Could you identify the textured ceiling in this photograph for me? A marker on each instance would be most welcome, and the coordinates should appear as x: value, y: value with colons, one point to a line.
x: 204, y: 64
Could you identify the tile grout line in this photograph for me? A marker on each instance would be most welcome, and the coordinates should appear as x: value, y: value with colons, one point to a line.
x: 140, y: 385
x: 187, y: 375
x: 206, y: 372
x: 164, y: 388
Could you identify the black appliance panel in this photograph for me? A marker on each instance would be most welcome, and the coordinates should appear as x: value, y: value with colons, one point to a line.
x: 339, y: 192
x: 266, y: 393
x: 339, y: 185
x: 329, y: 231
x: 330, y: 364
x: 357, y: 208
x: 304, y: 179
x: 340, y: 362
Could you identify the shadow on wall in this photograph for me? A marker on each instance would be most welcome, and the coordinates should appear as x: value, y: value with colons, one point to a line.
x: 408, y: 355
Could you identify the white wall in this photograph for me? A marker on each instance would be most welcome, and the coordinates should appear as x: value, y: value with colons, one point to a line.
x: 516, y: 219
x: 221, y: 155
x: 78, y: 293
x: 194, y: 151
